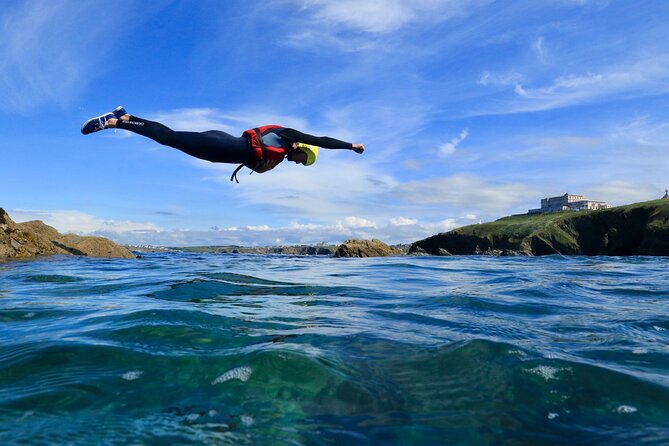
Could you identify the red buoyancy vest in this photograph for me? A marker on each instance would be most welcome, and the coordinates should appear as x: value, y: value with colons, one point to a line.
x: 261, y: 151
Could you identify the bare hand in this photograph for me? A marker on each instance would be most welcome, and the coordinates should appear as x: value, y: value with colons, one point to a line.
x: 358, y: 148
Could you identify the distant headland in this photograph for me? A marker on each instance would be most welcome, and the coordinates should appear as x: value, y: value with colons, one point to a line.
x: 636, y: 229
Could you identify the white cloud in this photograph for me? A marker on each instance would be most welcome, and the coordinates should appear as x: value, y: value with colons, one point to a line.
x: 399, y: 230
x: 623, y: 192
x: 367, y: 25
x: 412, y: 164
x: 193, y: 120
x: 374, y: 16
x: 500, y: 79
x: 82, y: 223
x: 360, y: 121
x: 381, y: 16
x: 464, y: 191
x: 234, y: 122
x: 642, y: 131
x: 356, y: 223
x: 258, y: 228
x: 325, y: 191
x: 293, y: 234
x: 447, y: 225
x: 403, y: 221
x: 636, y: 78
x: 539, y: 49
x: 450, y: 147
x: 545, y: 148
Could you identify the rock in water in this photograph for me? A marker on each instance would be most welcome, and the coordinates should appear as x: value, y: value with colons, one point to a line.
x: 34, y: 238
x: 92, y: 246
x: 365, y: 248
x: 19, y: 242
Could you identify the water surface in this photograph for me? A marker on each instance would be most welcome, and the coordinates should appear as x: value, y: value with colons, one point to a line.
x: 247, y: 349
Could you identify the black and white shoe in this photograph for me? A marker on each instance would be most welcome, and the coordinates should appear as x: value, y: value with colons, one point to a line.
x: 100, y: 122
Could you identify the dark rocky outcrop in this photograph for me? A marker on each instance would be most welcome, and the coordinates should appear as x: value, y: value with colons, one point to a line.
x: 34, y: 238
x: 366, y: 248
x: 638, y: 229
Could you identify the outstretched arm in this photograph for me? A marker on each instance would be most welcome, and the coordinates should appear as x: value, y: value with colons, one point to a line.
x: 321, y: 141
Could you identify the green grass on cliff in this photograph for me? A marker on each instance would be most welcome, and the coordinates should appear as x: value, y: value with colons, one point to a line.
x: 513, y: 228
x: 516, y: 227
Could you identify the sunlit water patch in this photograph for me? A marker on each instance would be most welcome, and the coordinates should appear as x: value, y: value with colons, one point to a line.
x: 243, y: 349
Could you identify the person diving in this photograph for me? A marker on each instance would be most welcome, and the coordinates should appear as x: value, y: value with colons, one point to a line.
x: 260, y: 149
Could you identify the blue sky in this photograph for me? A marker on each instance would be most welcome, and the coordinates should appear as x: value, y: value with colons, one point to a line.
x: 470, y: 110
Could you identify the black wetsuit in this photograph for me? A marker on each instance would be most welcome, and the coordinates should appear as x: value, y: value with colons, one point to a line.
x: 220, y: 147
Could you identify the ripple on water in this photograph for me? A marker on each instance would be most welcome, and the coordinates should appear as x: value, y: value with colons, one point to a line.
x: 53, y: 278
x: 199, y: 290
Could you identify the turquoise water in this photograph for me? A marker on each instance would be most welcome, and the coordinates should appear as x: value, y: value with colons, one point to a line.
x: 243, y: 349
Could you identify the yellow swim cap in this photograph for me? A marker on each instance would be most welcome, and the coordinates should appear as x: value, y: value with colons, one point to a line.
x: 311, y: 151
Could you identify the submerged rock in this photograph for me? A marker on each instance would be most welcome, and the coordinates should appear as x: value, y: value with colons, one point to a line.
x: 365, y: 248
x: 34, y: 238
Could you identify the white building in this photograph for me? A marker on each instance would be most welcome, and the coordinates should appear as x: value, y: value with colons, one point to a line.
x: 568, y: 202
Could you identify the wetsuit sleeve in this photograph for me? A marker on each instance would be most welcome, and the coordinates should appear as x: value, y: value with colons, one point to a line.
x: 326, y: 142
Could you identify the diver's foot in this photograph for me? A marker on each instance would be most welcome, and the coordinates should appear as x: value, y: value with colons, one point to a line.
x: 104, y: 121
x: 119, y: 111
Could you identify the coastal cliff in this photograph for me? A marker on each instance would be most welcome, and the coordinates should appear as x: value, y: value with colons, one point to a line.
x: 34, y: 238
x: 636, y: 229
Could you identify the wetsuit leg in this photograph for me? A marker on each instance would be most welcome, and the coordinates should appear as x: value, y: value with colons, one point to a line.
x: 212, y: 145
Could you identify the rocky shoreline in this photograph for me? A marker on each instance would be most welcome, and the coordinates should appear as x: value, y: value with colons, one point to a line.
x: 34, y: 238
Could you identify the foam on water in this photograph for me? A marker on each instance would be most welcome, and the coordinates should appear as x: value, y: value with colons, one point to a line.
x: 240, y: 373
x: 626, y: 409
x: 133, y: 375
x: 547, y: 372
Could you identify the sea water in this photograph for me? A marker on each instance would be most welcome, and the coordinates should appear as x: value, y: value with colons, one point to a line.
x: 177, y: 348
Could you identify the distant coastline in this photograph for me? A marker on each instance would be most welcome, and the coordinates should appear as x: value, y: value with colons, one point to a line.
x: 636, y: 229
x: 318, y: 249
